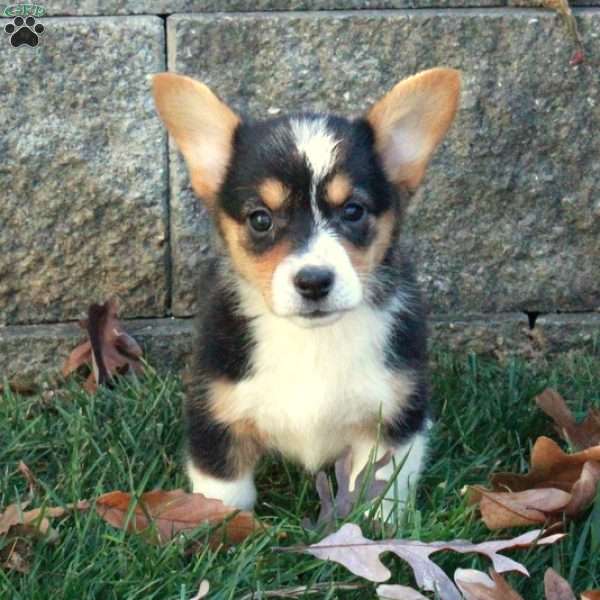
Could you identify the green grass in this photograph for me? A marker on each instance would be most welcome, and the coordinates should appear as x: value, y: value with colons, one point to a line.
x: 129, y: 438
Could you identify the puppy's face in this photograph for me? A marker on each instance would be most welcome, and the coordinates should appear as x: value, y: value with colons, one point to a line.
x: 308, y: 205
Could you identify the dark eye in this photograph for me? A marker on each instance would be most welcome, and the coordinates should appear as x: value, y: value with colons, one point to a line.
x: 260, y: 220
x: 353, y: 211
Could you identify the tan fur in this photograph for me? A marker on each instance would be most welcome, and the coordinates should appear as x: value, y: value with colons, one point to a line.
x: 338, y: 190
x: 202, y: 127
x: 365, y: 261
x: 273, y: 193
x: 256, y: 269
x: 248, y: 442
x: 411, y: 120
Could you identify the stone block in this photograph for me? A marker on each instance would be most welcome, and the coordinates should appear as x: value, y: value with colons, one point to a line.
x: 508, y: 219
x: 83, y: 171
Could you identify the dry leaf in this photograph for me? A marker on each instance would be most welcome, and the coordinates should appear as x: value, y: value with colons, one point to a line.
x: 110, y: 349
x: 591, y: 595
x: 345, y: 500
x: 556, y: 588
x: 29, y: 477
x: 583, y: 435
x: 500, y: 510
x: 550, y: 467
x: 202, y: 590
x: 175, y: 512
x: 360, y: 555
x: 476, y: 585
x: 398, y: 592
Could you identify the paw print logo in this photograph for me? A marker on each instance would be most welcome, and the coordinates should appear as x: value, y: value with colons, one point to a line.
x: 24, y: 31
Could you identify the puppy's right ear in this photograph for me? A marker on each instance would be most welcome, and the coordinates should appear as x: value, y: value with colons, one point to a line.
x: 202, y: 127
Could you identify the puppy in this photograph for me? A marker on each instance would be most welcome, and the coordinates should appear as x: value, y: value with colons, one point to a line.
x: 311, y: 331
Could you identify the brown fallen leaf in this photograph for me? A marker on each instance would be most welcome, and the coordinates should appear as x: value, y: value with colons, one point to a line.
x: 476, y: 585
x: 361, y: 556
x: 556, y: 588
x: 591, y: 595
x: 29, y: 477
x: 500, y: 510
x: 174, y: 512
x: 343, y: 503
x: 584, y: 489
x: 582, y: 435
x: 110, y: 349
x: 550, y: 467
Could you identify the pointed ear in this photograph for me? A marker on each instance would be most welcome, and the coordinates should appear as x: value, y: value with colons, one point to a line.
x: 411, y: 120
x: 202, y: 127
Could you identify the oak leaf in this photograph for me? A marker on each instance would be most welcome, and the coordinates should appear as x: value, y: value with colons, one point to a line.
x: 476, y: 585
x: 556, y: 588
x: 361, y: 556
x: 340, y: 505
x: 110, y: 350
x: 582, y: 435
x: 398, y: 592
x: 174, y: 512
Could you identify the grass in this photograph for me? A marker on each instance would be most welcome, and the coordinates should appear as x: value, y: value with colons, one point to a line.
x: 129, y: 438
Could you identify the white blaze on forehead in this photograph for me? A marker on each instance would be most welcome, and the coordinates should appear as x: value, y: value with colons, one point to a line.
x: 317, y: 144
x: 319, y: 147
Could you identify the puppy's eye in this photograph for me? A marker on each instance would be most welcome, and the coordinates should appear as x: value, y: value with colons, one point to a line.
x: 353, y: 212
x: 260, y: 220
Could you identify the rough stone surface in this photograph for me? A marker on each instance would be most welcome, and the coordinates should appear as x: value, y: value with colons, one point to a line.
x: 83, y: 171
x: 35, y: 353
x: 566, y: 332
x: 509, y: 216
x: 118, y: 7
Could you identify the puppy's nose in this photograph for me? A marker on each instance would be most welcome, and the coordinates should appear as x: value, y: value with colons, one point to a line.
x: 314, y: 283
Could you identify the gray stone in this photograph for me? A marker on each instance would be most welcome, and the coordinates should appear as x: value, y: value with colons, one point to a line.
x: 495, y: 335
x: 31, y: 354
x: 118, y: 7
x: 561, y: 333
x: 83, y: 171
x: 509, y: 216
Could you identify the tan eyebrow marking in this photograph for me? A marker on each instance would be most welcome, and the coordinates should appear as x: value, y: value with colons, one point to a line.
x: 338, y: 190
x: 273, y: 193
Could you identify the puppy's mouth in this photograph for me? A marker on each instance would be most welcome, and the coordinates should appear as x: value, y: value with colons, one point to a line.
x: 318, y: 317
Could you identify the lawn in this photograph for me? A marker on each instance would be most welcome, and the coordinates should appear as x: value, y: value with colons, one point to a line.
x: 129, y: 438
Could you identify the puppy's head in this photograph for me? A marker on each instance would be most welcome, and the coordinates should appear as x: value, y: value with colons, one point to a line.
x: 308, y: 205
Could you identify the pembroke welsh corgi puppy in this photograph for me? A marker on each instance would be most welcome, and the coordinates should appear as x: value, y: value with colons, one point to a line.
x: 311, y: 332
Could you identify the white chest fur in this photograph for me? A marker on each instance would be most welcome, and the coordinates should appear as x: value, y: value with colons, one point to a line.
x: 313, y: 389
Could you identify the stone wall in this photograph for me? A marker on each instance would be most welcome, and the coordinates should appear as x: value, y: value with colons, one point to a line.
x: 95, y: 203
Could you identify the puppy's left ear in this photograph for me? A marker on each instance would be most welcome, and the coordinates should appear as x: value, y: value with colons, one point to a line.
x: 411, y: 120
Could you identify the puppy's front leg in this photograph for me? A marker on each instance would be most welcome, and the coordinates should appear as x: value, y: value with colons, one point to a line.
x: 222, y: 457
x: 410, y: 454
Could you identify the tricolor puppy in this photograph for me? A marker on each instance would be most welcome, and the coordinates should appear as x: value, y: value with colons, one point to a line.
x: 311, y: 332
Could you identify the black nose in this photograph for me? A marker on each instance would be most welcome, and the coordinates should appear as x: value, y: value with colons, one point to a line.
x: 314, y: 283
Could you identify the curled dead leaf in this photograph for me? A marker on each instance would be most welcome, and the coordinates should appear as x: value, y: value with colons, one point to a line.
x: 582, y: 435
x: 550, y: 467
x: 110, y: 350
